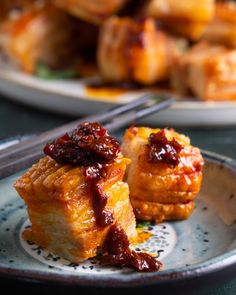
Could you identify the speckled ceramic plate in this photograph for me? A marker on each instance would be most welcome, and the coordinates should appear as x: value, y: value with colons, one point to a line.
x: 199, y: 250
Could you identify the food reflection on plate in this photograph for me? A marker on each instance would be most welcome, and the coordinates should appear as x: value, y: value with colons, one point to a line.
x: 188, y: 45
x: 80, y: 205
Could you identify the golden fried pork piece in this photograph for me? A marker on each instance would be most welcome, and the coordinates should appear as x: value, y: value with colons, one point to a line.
x: 76, y: 194
x: 41, y: 34
x: 78, y: 203
x: 94, y: 11
x: 130, y: 50
x: 60, y: 207
x: 208, y: 71
x: 165, y: 174
x: 222, y: 29
x: 186, y: 17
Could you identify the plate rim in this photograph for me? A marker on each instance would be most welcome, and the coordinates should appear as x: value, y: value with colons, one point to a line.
x: 24, y: 80
x: 69, y: 97
x: 136, y: 279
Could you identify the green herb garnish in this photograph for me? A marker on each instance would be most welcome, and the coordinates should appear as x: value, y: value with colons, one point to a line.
x: 141, y: 224
x: 44, y: 72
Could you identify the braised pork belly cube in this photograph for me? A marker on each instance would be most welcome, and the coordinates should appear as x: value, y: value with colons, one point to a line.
x: 165, y: 174
x: 94, y: 11
x: 208, y: 71
x: 77, y: 193
x: 41, y: 34
x: 222, y: 29
x: 186, y: 17
x: 130, y: 50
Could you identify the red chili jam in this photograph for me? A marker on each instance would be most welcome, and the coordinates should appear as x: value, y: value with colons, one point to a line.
x: 117, y: 252
x: 163, y: 150
x: 103, y: 217
x: 87, y: 145
x: 90, y: 146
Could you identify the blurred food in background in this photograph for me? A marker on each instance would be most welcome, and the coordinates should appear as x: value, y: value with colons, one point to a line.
x: 187, y: 45
x: 95, y: 11
x: 206, y: 70
x: 186, y: 17
x: 130, y: 50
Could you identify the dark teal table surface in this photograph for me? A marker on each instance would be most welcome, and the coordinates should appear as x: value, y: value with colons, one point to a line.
x: 18, y: 120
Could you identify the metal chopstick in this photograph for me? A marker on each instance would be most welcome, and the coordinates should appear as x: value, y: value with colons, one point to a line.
x: 56, y: 132
x: 25, y: 157
x: 151, y: 107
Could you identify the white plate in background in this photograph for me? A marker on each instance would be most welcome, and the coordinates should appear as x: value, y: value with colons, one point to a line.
x: 70, y: 97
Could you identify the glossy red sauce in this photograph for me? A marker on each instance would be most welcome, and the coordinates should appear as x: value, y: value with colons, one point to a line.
x: 117, y: 252
x: 89, y: 146
x: 163, y: 150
